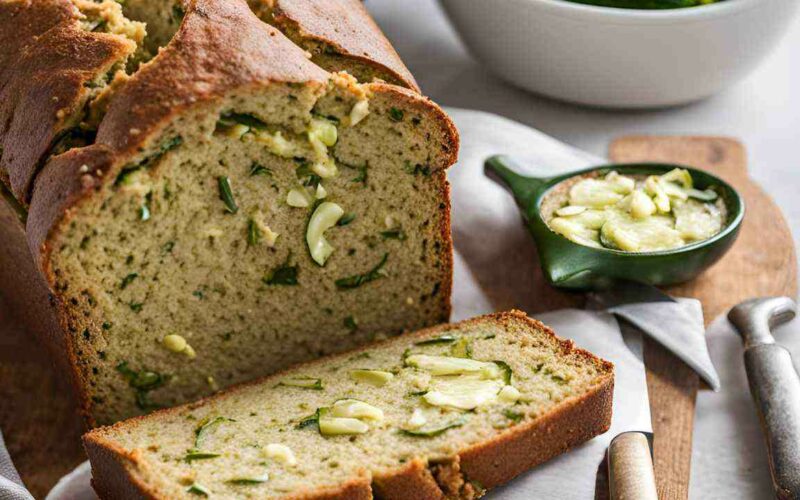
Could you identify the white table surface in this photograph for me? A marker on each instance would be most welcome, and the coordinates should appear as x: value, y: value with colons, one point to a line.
x: 763, y: 111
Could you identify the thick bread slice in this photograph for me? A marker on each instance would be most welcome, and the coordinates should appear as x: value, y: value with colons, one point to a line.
x: 177, y: 246
x: 387, y: 436
x: 54, y: 60
x: 340, y: 35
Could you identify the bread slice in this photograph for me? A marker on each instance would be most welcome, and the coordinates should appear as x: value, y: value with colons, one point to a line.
x: 448, y: 412
x: 237, y: 201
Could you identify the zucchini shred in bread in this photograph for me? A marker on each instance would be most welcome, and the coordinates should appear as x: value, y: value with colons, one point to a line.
x: 239, y: 210
x: 446, y: 412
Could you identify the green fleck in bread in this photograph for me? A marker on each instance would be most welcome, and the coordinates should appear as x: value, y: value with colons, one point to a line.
x: 240, y: 210
x: 446, y: 412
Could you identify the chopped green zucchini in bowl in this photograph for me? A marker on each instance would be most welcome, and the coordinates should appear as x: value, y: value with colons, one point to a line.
x: 646, y: 4
x: 637, y: 213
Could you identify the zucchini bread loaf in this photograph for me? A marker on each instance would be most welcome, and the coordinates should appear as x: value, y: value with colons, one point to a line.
x: 230, y: 207
x: 446, y: 412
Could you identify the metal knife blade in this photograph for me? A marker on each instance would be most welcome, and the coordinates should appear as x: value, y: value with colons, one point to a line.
x: 678, y: 326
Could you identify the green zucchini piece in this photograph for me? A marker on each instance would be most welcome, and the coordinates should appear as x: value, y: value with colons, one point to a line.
x: 378, y: 378
x: 248, y: 480
x: 303, y: 383
x: 441, y: 339
x: 435, y: 430
x: 330, y: 425
x: 199, y: 455
x: 226, y: 194
x: 704, y: 195
x: 462, y: 348
x: 506, y: 370
x: 357, y: 280
x: 198, y: 489
x: 207, y: 426
x: 465, y: 392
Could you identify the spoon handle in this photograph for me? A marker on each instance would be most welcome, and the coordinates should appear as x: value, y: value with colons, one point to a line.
x: 775, y: 386
x: 506, y: 172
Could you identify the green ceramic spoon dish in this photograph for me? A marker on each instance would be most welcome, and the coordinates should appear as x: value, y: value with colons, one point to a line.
x: 567, y: 264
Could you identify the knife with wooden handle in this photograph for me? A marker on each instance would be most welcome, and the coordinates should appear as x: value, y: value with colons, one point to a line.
x: 774, y: 385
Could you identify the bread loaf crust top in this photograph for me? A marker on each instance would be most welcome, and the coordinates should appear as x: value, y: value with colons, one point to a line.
x: 46, y: 63
x: 347, y: 27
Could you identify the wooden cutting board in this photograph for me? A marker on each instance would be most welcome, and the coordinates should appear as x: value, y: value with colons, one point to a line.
x: 762, y: 262
x: 42, y: 432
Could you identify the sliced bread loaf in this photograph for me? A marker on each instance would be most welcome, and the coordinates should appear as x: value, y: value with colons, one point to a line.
x: 238, y: 201
x: 446, y: 412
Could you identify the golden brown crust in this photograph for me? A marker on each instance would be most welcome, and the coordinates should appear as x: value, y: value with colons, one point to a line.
x: 414, y: 481
x: 45, y: 70
x: 483, y: 465
x: 24, y: 289
x: 573, y: 422
x: 446, y: 284
x: 111, y: 476
x: 343, y: 27
x: 358, y: 488
x: 68, y: 178
x: 449, y: 141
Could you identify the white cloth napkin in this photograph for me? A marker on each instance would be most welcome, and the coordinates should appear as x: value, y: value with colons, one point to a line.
x: 729, y: 457
x: 11, y: 487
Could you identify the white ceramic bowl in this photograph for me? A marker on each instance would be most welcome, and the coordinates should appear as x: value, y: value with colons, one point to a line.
x: 620, y: 58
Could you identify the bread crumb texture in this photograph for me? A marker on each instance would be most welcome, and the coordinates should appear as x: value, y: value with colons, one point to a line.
x: 282, y: 438
x: 274, y: 223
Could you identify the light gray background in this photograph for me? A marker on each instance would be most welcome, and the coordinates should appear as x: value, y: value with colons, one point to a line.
x: 763, y: 111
